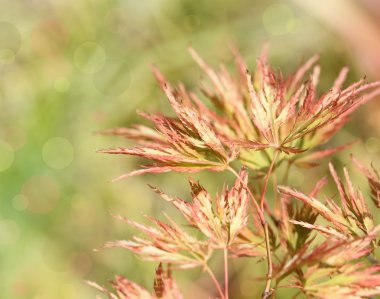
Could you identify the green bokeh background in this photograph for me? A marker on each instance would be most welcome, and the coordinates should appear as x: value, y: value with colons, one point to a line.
x: 71, y: 68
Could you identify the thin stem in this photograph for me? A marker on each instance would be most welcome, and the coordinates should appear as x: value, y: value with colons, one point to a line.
x: 215, y: 281
x: 225, y: 251
x: 277, y: 204
x: 267, y: 291
x: 262, y: 198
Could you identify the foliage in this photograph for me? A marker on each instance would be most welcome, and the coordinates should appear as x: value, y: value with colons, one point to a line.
x: 325, y: 248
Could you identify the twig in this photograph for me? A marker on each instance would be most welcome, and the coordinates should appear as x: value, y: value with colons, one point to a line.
x: 267, y: 292
x: 215, y: 281
x: 260, y: 210
x: 262, y: 198
x: 225, y: 251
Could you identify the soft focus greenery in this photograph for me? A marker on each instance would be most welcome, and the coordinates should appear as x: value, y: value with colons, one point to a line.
x: 71, y: 68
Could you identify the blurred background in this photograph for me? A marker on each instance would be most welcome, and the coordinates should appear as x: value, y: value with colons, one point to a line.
x: 71, y: 68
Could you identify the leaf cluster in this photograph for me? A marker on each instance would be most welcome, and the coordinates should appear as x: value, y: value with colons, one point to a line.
x: 325, y: 248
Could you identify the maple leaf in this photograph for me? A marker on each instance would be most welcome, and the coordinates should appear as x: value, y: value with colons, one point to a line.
x: 270, y: 111
x: 166, y: 243
x: 350, y: 281
x: 293, y: 237
x: 252, y: 116
x: 352, y: 218
x: 164, y: 287
x: 373, y: 181
x: 186, y: 144
x: 333, y: 263
x: 223, y: 220
x: 260, y: 119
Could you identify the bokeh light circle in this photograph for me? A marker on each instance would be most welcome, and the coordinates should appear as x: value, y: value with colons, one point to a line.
x: 89, y: 57
x: 10, y: 42
x: 278, y: 19
x: 114, y: 77
x: 6, y: 156
x: 58, y: 153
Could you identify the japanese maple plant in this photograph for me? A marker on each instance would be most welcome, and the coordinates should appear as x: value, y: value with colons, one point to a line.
x: 256, y: 125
